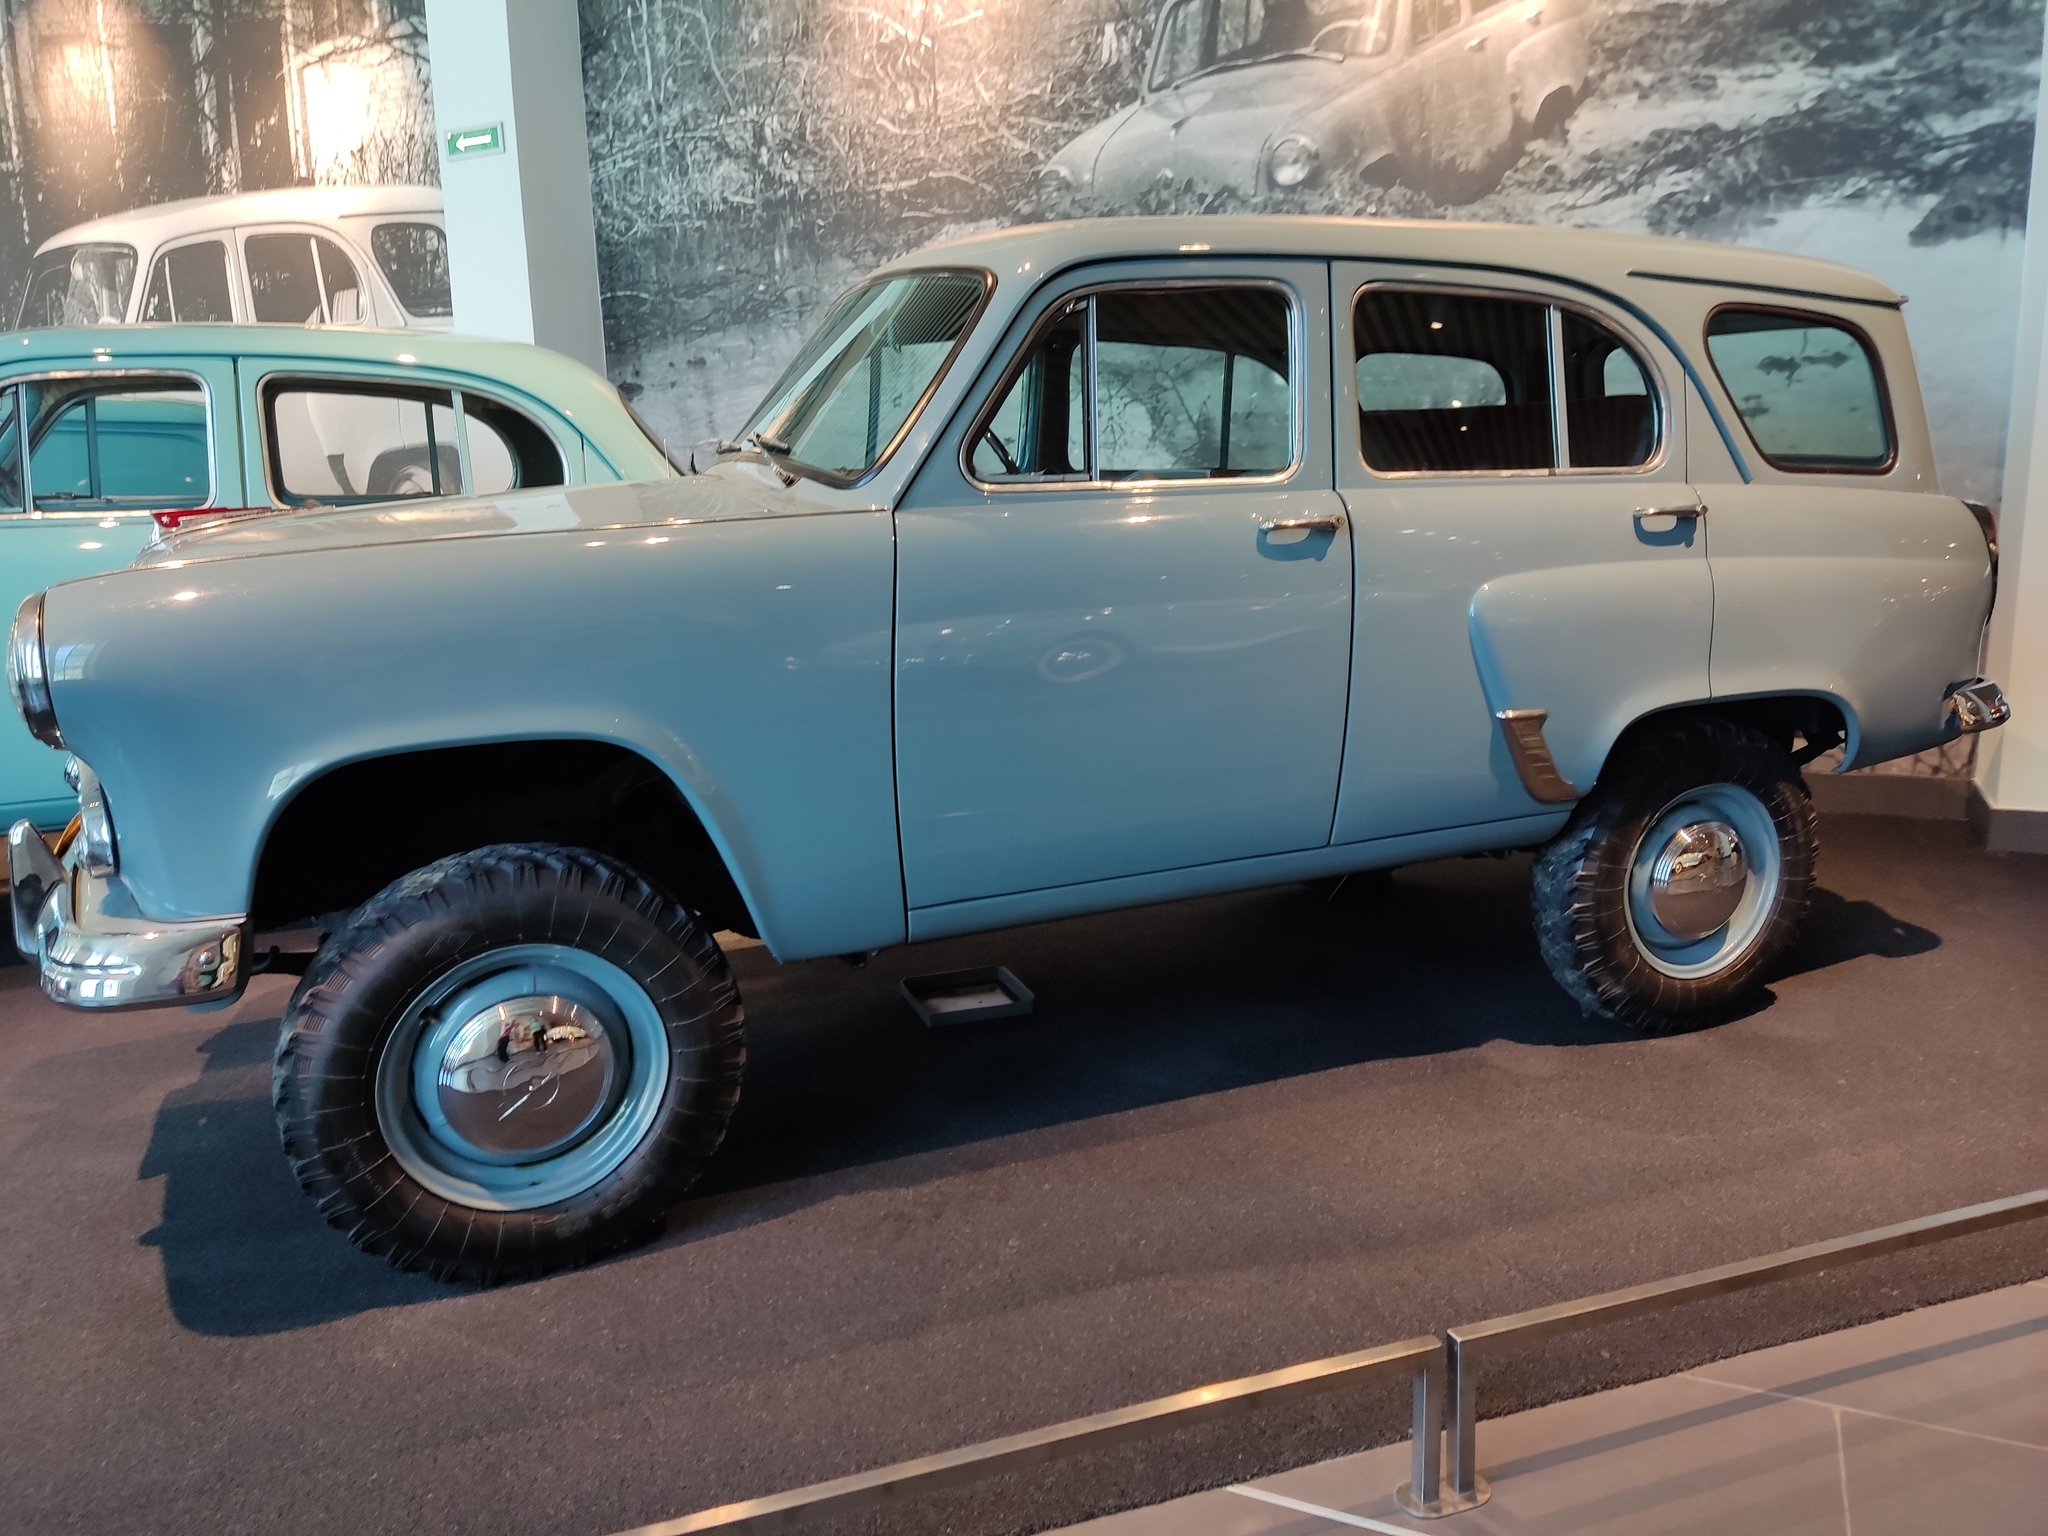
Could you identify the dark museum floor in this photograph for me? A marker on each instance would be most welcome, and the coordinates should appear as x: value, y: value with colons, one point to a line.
x: 1240, y: 1132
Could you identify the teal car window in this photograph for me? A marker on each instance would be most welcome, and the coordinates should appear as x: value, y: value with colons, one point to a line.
x: 1610, y: 413
x: 189, y: 284
x: 131, y: 445
x: 508, y: 450
x: 414, y: 260
x: 302, y: 279
x: 10, y: 451
x: 1452, y: 383
x: 78, y: 285
x: 337, y: 444
x: 851, y: 394
x: 1806, y: 387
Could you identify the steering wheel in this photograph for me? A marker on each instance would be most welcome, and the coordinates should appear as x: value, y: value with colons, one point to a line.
x: 988, y: 435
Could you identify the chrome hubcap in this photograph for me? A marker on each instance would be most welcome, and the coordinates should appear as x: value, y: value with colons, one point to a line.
x: 1697, y: 879
x: 524, y: 1076
x: 1703, y: 881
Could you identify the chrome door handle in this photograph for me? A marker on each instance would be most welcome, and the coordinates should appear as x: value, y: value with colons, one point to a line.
x: 1475, y: 45
x: 1697, y: 509
x: 1328, y: 522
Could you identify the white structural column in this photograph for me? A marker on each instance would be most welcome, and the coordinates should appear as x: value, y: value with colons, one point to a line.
x: 522, y: 243
x: 2012, y: 763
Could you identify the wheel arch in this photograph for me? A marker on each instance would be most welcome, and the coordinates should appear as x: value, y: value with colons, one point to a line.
x: 350, y: 830
x: 1815, y: 717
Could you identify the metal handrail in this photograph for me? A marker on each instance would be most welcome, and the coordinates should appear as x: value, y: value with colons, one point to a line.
x: 1422, y: 1358
x: 1473, y: 1342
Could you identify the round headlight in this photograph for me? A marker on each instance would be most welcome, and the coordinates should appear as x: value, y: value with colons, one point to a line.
x: 1293, y: 161
x: 28, y: 678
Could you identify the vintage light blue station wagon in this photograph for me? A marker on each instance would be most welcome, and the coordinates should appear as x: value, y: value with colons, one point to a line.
x: 135, y: 426
x: 1067, y: 568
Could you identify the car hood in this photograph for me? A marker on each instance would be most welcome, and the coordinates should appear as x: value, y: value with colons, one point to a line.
x: 727, y: 492
x: 1213, y: 130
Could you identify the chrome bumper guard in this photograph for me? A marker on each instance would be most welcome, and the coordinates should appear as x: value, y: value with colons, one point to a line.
x: 91, y: 958
x: 1977, y: 705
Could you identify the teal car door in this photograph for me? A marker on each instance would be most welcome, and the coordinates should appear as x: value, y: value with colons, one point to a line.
x: 104, y: 449
x: 1528, y: 544
x: 1124, y: 606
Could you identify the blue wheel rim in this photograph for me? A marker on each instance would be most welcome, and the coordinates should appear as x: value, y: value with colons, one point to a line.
x: 439, y: 1157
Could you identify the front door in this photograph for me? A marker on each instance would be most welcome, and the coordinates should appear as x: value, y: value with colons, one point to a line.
x: 1124, y: 608
x: 1510, y: 459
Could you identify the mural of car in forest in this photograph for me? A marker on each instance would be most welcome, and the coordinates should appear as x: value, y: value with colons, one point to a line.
x: 1266, y: 96
x: 297, y: 256
x: 167, y: 425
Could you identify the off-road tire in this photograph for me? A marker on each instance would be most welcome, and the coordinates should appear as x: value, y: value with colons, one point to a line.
x: 393, y: 947
x: 1579, y: 886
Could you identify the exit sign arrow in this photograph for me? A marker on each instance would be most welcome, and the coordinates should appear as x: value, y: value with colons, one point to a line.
x: 486, y: 140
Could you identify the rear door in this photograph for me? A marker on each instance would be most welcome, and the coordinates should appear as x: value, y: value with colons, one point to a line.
x: 1511, y: 459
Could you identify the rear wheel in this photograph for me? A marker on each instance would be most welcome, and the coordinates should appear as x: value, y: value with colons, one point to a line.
x: 510, y: 1062
x: 1680, y: 878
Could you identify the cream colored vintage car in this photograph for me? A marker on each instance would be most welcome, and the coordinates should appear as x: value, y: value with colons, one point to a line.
x: 298, y: 256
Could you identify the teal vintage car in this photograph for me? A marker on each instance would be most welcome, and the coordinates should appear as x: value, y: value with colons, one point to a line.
x: 1066, y: 568
x: 133, y: 429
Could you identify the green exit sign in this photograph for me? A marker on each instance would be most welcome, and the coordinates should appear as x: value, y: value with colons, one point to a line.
x: 487, y: 140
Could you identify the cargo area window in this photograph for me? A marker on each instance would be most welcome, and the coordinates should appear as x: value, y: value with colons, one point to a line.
x: 104, y: 445
x: 343, y: 443
x: 1183, y: 383
x: 414, y: 259
x: 1807, y: 388
x: 1456, y: 383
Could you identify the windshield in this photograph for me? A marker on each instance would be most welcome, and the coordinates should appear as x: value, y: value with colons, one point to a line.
x: 1201, y: 35
x: 853, y: 389
x: 78, y: 285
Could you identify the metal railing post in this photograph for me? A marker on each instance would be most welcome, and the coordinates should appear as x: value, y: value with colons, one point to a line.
x: 1425, y: 1433
x: 1463, y: 1430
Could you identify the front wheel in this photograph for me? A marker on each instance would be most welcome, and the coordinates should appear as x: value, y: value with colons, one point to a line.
x: 509, y: 1062
x: 1683, y: 875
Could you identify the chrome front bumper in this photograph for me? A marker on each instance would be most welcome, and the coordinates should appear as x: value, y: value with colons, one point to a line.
x: 1976, y: 704
x: 92, y: 957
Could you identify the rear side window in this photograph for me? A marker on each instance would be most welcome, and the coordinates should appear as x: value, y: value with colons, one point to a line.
x: 1452, y: 383
x: 341, y: 443
x: 189, y: 284
x: 1807, y: 388
x: 301, y: 279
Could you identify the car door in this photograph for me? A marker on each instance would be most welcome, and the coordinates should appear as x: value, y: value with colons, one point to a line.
x: 1460, y: 86
x: 1124, y: 591
x: 105, y: 448
x: 1522, y: 549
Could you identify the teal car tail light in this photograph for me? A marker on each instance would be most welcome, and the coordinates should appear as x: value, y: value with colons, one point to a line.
x: 28, y: 677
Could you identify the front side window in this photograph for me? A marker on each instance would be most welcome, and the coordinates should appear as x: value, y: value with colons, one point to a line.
x: 105, y: 445
x: 414, y: 260
x: 854, y: 388
x: 341, y: 446
x: 78, y: 285
x: 1452, y: 383
x: 190, y: 284
x: 1188, y: 384
x: 302, y: 279
x: 1806, y: 388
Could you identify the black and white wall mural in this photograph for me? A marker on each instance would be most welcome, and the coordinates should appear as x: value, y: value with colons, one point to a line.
x: 752, y: 157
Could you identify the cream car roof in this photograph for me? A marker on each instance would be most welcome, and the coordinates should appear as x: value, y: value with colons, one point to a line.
x: 146, y: 228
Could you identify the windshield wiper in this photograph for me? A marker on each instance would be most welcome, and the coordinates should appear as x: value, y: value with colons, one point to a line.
x: 778, y: 454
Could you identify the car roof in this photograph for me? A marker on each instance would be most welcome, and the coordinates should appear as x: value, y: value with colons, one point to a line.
x: 577, y: 392
x: 193, y: 215
x: 1602, y: 257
